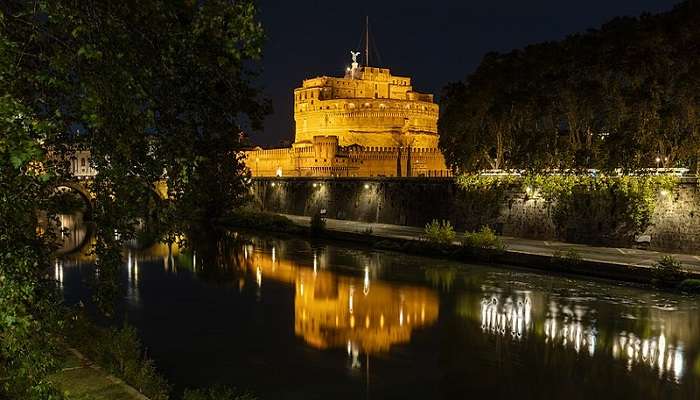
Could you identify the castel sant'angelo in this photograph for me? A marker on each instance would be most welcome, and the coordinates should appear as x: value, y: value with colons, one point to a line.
x: 367, y: 123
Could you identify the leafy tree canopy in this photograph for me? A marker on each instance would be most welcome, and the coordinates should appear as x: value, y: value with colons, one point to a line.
x: 616, y: 97
x: 157, y: 91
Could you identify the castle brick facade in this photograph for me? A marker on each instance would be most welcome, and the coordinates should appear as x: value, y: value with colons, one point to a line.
x: 367, y: 123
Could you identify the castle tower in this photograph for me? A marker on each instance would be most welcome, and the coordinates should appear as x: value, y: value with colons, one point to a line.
x: 368, y: 107
x: 366, y: 123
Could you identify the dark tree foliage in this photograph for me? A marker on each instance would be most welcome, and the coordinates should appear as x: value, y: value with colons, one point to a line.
x: 158, y: 91
x: 616, y: 97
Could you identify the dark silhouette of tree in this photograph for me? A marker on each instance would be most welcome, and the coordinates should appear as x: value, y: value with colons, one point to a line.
x: 158, y: 91
x: 618, y: 96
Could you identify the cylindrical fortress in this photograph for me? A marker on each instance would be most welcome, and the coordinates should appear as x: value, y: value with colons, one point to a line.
x: 370, y: 108
x: 367, y: 123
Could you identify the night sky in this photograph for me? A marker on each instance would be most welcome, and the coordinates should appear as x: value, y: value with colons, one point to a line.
x: 432, y: 41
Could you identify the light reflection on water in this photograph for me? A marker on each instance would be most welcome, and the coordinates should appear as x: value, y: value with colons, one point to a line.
x: 332, y: 311
x: 72, y: 232
x: 354, y: 302
x: 655, y: 353
x: 506, y: 316
x: 572, y: 328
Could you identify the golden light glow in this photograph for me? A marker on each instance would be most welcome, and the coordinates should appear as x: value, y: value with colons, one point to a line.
x: 356, y: 126
x: 331, y: 313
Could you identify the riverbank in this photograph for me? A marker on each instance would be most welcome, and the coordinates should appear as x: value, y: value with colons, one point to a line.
x: 81, y: 379
x: 621, y: 264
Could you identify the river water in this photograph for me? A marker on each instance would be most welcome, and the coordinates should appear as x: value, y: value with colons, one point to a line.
x: 293, y: 319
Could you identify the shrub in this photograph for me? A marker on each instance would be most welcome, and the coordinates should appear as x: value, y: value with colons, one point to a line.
x: 120, y: 352
x: 485, y: 238
x: 441, y: 233
x: 690, y: 285
x: 216, y: 393
x: 668, y: 270
x: 568, y: 258
x: 263, y: 221
x: 318, y: 224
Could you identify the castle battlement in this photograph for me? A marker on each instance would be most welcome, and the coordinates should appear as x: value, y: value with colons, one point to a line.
x: 366, y: 123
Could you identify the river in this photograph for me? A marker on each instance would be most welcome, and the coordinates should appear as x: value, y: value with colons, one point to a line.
x: 293, y: 319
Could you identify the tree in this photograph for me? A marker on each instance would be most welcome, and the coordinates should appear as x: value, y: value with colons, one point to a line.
x: 616, y: 97
x: 158, y: 91
x: 29, y: 318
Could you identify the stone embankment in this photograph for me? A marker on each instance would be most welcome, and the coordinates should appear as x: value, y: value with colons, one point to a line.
x: 623, y: 264
x: 674, y: 225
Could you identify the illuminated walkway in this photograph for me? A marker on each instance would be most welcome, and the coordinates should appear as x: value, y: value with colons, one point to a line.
x: 625, y: 256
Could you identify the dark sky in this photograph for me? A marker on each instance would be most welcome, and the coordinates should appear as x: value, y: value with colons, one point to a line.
x: 432, y: 41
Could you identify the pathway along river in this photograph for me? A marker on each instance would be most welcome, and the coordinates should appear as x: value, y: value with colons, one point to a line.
x: 290, y: 319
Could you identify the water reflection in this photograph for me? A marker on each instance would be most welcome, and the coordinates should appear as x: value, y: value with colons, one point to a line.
x: 655, y: 353
x: 506, y: 316
x: 72, y: 232
x: 58, y: 272
x: 573, y: 326
x: 493, y: 333
x: 335, y: 311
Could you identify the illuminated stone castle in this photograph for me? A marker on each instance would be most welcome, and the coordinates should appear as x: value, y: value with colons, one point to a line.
x: 367, y: 123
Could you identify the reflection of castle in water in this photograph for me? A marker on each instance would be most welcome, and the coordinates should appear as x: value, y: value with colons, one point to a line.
x: 572, y: 327
x: 359, y: 314
x: 72, y: 232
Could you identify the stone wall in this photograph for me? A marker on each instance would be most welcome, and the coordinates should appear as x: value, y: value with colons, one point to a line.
x: 675, y: 223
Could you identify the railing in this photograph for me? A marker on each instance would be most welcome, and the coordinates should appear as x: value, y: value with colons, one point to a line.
x: 679, y: 172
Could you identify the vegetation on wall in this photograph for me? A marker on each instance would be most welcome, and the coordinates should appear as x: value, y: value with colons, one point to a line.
x: 622, y: 96
x: 621, y: 206
x: 481, y: 197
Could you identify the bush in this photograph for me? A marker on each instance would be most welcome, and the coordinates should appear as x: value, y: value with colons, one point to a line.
x: 441, y: 233
x: 485, y: 238
x: 263, y: 221
x: 668, y: 270
x: 216, y: 393
x: 318, y: 224
x: 119, y: 351
x: 690, y: 285
x: 568, y: 258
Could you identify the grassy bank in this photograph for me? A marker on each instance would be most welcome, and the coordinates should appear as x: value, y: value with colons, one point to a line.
x: 110, y: 363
